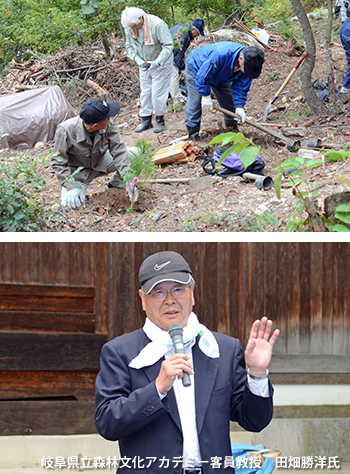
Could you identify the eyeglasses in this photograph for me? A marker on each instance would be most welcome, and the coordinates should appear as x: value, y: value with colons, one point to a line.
x: 177, y: 293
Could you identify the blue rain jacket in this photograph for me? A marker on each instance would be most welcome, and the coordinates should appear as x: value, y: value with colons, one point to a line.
x: 214, y: 64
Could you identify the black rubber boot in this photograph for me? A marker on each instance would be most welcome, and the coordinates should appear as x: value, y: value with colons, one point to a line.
x: 231, y: 123
x: 193, y: 133
x: 160, y: 125
x: 145, y: 125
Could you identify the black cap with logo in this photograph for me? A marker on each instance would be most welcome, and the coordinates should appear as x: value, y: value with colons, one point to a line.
x: 163, y: 266
x: 97, y: 110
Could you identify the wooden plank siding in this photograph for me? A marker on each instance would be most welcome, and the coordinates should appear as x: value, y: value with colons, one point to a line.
x: 59, y: 303
x: 53, y: 307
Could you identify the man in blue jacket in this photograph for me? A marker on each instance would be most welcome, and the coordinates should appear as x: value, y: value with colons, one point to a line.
x: 344, y: 34
x: 162, y: 426
x: 227, y: 69
x: 182, y: 37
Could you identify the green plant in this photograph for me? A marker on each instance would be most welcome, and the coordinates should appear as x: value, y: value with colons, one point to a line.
x: 24, y: 28
x: 335, y: 155
x: 288, y: 32
x: 304, y: 191
x: 19, y: 177
x: 295, y: 115
x: 242, y: 145
x: 175, y: 107
x: 258, y: 222
x: 189, y: 226
x: 342, y: 213
x: 141, y: 167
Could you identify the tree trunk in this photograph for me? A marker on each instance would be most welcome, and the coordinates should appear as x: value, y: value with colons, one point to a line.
x: 309, y: 63
x: 329, y: 59
x: 105, y: 43
x: 117, y: 17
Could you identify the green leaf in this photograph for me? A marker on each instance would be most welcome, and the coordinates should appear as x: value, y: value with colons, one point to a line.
x: 312, y: 163
x: 290, y: 227
x: 224, y: 156
x: 88, y: 9
x: 249, y: 155
x: 316, y: 193
x: 221, y: 137
x: 295, y: 173
x: 229, y: 138
x: 342, y: 216
x: 338, y: 228
x: 277, y: 184
x: 299, y: 205
x: 292, y: 162
x: 346, y: 181
x: 343, y: 208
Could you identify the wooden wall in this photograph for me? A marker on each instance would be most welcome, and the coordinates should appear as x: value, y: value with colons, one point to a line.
x: 52, y: 327
x: 302, y: 287
x: 59, y: 302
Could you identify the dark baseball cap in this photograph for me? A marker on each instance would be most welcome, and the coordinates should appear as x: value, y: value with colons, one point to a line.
x: 96, y: 110
x: 199, y: 24
x: 163, y: 266
x: 253, y: 60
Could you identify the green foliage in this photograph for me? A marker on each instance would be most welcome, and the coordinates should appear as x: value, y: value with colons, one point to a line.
x: 141, y: 167
x: 335, y: 155
x: 342, y: 213
x: 302, y: 194
x: 47, y: 27
x: 175, y: 107
x: 19, y: 177
x: 89, y: 6
x: 288, y: 32
x: 240, y: 145
x: 43, y: 28
x: 177, y: 40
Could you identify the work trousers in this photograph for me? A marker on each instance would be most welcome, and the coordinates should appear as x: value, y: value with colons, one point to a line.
x: 155, y: 86
x: 345, y: 41
x: 175, y: 91
x: 193, y: 111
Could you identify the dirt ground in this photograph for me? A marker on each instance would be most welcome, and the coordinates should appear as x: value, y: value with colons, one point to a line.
x: 231, y: 204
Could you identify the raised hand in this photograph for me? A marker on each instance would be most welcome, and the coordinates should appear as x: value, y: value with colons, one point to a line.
x: 259, y: 348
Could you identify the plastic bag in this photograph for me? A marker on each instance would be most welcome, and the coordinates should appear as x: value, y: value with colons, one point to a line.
x: 32, y: 116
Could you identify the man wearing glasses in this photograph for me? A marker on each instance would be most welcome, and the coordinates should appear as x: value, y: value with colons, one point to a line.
x: 166, y: 427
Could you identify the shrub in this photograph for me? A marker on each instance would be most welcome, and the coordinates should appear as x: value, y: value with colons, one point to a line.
x: 19, y: 177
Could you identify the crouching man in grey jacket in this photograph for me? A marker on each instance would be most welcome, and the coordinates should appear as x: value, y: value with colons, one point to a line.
x: 89, y: 146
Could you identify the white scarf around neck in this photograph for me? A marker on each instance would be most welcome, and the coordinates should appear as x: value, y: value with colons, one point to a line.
x: 162, y: 342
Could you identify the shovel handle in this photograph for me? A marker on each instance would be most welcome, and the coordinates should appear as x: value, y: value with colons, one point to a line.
x: 291, y: 74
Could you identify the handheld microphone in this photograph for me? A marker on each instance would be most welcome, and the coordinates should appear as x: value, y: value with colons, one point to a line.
x: 175, y: 332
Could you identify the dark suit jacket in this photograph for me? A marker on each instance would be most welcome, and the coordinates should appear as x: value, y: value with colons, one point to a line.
x: 129, y: 409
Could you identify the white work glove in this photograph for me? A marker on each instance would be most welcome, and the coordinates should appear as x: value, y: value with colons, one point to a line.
x: 73, y: 199
x: 140, y: 62
x: 241, y: 113
x: 207, y: 102
x: 132, y: 191
x: 152, y: 64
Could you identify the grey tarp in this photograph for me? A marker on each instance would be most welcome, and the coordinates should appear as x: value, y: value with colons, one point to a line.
x: 32, y: 116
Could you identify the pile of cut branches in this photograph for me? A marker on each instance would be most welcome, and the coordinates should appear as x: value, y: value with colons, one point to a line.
x: 76, y: 70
